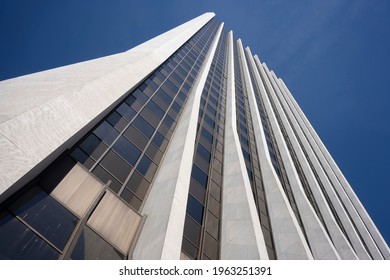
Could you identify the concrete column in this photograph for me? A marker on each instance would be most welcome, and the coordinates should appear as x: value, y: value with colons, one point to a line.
x: 320, y: 244
x: 370, y: 234
x: 328, y: 186
x: 165, y: 207
x: 241, y: 234
x: 340, y: 242
x: 288, y: 237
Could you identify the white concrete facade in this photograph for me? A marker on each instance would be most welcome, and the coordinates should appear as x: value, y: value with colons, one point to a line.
x: 70, y: 100
x: 165, y: 207
x: 242, y: 236
x: 288, y: 237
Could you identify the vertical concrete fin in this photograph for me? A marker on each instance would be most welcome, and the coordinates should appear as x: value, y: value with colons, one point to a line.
x: 242, y: 236
x: 320, y: 244
x: 288, y: 238
x: 343, y: 185
x: 162, y: 233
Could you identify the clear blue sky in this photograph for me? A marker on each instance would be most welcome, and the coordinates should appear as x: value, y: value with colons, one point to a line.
x: 333, y: 55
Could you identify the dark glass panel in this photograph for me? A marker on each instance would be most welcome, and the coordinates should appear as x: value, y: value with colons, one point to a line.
x: 199, y: 175
x: 164, y: 130
x: 203, y: 152
x: 154, y: 153
x: 18, y: 242
x: 210, y: 247
x: 131, y: 199
x: 212, y: 225
x: 106, y: 132
x: 126, y: 150
x: 82, y: 157
x: 164, y: 96
x: 215, y: 190
x: 202, y: 163
x: 125, y: 111
x: 104, y: 176
x: 147, y: 168
x: 168, y: 121
x: 149, y: 117
x: 214, y: 206
x: 197, y: 191
x: 194, y: 209
x: 155, y: 109
x: 138, y: 185
x: 136, y: 137
x: 207, y: 135
x: 45, y: 215
x: 189, y: 249
x: 142, y: 125
x: 93, y: 146
x: 91, y: 246
x: 192, y: 230
x: 116, y: 166
x: 159, y: 141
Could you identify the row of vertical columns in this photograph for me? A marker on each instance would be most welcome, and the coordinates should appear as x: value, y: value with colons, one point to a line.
x: 378, y: 248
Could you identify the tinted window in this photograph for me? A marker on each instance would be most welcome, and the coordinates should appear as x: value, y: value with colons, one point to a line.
x: 17, y: 242
x: 126, y: 150
x: 199, y: 176
x: 142, y: 125
x: 45, y: 215
x: 106, y: 132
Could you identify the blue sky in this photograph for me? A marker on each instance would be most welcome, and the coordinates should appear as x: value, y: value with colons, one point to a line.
x: 333, y: 55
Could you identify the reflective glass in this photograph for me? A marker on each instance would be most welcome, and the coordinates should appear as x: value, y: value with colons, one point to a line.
x: 194, y: 209
x: 45, y: 215
x: 126, y: 150
x: 106, y: 132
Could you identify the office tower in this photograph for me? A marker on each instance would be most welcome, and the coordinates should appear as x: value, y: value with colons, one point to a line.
x: 185, y: 147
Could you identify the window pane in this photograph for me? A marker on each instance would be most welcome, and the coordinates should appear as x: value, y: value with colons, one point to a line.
x: 136, y: 137
x: 131, y: 199
x: 142, y: 125
x: 192, y: 231
x: 82, y: 157
x: 93, y: 146
x: 116, y: 166
x: 125, y: 111
x: 117, y: 121
x: 45, y: 215
x: 194, y: 209
x: 199, y: 175
x: 138, y: 185
x: 18, y: 242
x: 160, y: 141
x: 189, y: 249
x: 155, y: 109
x: 104, y: 176
x: 106, y: 132
x: 126, y: 150
x: 91, y: 246
x: 205, y: 154
x: 147, y: 168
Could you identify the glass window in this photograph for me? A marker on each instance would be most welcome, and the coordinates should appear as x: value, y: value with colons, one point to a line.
x: 147, y: 168
x: 203, y: 152
x: 212, y: 225
x: 149, y: 117
x: 82, y: 157
x: 192, y: 230
x: 199, y: 175
x: 154, y: 153
x: 189, y: 248
x: 125, y: 111
x: 18, y: 242
x: 126, y: 150
x: 116, y: 166
x: 138, y: 185
x: 91, y: 246
x: 117, y: 121
x: 159, y: 141
x: 131, y: 199
x: 93, y: 146
x: 106, y: 132
x: 194, y: 209
x: 104, y: 176
x: 210, y: 247
x: 168, y: 121
x: 45, y: 215
x: 207, y: 135
x: 197, y: 191
x: 142, y: 125
x: 155, y: 109
x: 136, y: 137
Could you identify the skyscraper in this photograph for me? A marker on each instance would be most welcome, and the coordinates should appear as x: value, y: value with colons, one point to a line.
x: 185, y: 147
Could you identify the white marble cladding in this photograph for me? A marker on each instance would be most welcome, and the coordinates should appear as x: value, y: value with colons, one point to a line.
x: 320, y: 244
x: 40, y: 112
x: 288, y: 237
x: 348, y: 195
x: 241, y: 234
x: 165, y: 207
